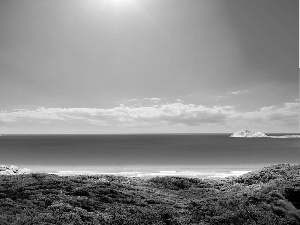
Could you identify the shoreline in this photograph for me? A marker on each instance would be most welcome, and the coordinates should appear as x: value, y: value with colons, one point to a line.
x: 146, y: 175
x: 147, y: 171
x: 143, y: 171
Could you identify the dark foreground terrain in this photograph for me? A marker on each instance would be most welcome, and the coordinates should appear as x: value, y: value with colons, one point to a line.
x: 269, y: 196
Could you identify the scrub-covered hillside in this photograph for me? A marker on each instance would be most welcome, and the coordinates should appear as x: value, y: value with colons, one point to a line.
x: 269, y: 196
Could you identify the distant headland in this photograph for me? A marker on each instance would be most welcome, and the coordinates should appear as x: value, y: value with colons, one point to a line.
x: 253, y: 134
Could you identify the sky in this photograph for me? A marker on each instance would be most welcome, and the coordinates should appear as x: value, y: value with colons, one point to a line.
x: 148, y: 66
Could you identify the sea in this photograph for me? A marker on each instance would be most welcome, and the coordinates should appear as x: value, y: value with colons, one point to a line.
x: 147, y: 155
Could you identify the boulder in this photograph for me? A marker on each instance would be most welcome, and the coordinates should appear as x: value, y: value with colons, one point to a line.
x: 3, y: 167
x: 13, y: 168
x: 248, y: 134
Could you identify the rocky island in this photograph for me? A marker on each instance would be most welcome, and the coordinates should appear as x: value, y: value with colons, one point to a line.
x: 253, y: 134
x: 248, y: 134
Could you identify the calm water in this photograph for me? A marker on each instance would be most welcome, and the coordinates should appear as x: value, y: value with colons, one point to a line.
x: 183, y: 154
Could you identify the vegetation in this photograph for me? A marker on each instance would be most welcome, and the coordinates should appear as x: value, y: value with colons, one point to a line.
x: 269, y: 196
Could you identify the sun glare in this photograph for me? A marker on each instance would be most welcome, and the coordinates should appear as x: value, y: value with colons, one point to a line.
x: 122, y: 3
x: 121, y: 7
x: 116, y: 3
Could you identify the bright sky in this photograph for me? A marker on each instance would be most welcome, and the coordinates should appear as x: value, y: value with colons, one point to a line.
x: 148, y: 66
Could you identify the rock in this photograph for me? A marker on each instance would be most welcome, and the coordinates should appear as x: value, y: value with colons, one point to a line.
x: 3, y: 167
x: 248, y: 134
x: 13, y: 168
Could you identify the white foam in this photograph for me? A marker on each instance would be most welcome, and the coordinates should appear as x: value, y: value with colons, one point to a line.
x: 285, y: 136
x: 154, y: 174
x: 192, y: 171
x: 72, y: 172
x: 232, y: 173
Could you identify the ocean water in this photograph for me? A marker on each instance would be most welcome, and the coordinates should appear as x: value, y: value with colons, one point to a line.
x: 146, y: 155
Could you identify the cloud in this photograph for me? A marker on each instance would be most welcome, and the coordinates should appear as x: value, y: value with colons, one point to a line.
x: 46, y: 122
x: 153, y: 99
x: 289, y: 113
x: 175, y: 113
x: 219, y: 97
x: 131, y: 100
x: 237, y: 92
x: 158, y: 115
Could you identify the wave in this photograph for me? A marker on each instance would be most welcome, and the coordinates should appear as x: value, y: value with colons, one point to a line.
x: 232, y: 173
x: 285, y: 136
x: 190, y: 174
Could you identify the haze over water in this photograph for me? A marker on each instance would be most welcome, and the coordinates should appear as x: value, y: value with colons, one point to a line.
x: 193, y: 155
